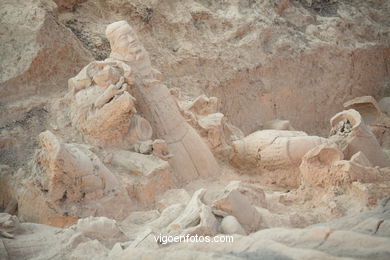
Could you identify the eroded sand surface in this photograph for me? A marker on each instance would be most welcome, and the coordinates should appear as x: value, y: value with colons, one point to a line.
x: 123, y: 120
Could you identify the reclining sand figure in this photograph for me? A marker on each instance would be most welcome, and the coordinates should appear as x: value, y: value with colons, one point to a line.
x: 106, y: 96
x: 276, y: 152
x: 191, y: 155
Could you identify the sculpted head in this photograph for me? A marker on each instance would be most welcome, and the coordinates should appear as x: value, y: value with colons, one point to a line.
x: 123, y: 41
x: 126, y: 47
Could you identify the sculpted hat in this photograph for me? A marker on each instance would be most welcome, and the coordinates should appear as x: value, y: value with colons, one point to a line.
x: 115, y: 26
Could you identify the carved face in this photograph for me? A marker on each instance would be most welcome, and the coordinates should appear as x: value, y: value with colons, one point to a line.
x: 126, y: 47
x: 123, y: 41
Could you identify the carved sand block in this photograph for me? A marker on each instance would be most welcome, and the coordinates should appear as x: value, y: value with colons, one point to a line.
x: 70, y: 182
x: 66, y: 164
x: 208, y: 224
x: 191, y: 156
x: 234, y: 203
x: 352, y: 135
x: 367, y: 107
x: 360, y: 173
x: 273, y: 149
x: 255, y: 195
x: 203, y: 105
x: 191, y: 214
x: 9, y: 225
x: 317, y: 163
x: 219, y: 132
x: 149, y: 175
x: 212, y: 127
x: 373, y: 116
x: 324, y: 169
x: 197, y: 218
x: 202, y: 114
x: 103, y: 229
x: 140, y: 130
x: 168, y: 215
x: 348, y: 171
x: 230, y: 225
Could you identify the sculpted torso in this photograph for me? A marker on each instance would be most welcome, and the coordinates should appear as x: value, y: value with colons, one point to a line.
x: 121, y: 101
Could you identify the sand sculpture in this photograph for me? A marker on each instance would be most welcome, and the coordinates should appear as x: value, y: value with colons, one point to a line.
x: 191, y: 158
x: 353, y: 135
x: 203, y: 114
x: 145, y: 152
x: 378, y: 121
x: 324, y: 170
x: 102, y: 108
x: 74, y: 182
x: 69, y: 181
x: 276, y: 151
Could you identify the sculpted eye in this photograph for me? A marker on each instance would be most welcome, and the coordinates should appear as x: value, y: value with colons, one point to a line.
x: 122, y: 37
